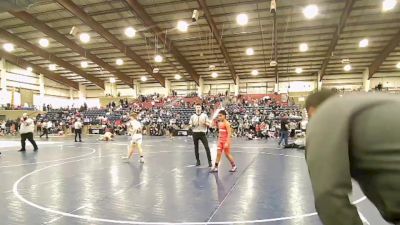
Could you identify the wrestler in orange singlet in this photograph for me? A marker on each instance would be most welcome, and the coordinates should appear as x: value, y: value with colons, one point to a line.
x: 224, y: 142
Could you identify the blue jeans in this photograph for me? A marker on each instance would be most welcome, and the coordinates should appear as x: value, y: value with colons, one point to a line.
x: 284, y: 136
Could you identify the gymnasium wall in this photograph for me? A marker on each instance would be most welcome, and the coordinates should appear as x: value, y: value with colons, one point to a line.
x: 151, y: 88
x: 125, y: 91
x: 26, y: 96
x: 26, y: 89
x: 94, y: 92
x: 183, y: 87
x: 388, y: 80
x: 16, y: 114
x: 258, y: 86
x: 25, y: 86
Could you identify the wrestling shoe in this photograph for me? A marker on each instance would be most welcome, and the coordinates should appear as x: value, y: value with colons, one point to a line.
x: 233, y: 169
x: 198, y: 163
x: 214, y: 170
x: 210, y: 164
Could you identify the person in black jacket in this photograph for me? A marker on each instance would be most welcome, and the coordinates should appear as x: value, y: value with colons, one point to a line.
x: 284, y: 135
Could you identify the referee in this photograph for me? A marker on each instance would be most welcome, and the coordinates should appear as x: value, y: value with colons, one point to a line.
x: 199, y: 123
x: 78, y: 129
x: 26, y: 131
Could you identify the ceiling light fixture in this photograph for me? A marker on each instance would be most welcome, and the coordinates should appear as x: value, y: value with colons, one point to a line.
x: 299, y: 70
x: 130, y: 32
x: 249, y: 51
x: 9, y: 47
x: 214, y: 74
x: 44, y: 42
x: 119, y: 62
x: 158, y: 58
x: 303, y: 47
x: 29, y: 69
x: 112, y: 80
x: 388, y: 5
x: 398, y: 65
x: 254, y: 72
x: 52, y: 67
x: 310, y: 11
x: 347, y: 67
x: 143, y: 78
x: 84, y: 64
x: 182, y: 26
x: 178, y: 77
x: 363, y: 43
x: 84, y: 37
x: 242, y: 19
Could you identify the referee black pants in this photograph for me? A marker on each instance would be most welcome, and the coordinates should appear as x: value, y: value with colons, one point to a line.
x: 78, y: 133
x: 202, y: 137
x: 28, y: 136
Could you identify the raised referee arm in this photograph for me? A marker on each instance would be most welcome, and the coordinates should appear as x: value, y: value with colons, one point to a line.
x: 329, y: 167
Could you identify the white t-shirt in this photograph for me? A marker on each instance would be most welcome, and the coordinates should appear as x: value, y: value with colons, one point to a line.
x: 27, y: 126
x: 134, y: 127
x: 78, y: 125
x: 199, y: 122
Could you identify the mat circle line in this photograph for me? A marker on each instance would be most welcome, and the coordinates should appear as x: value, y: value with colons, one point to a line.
x: 96, y: 219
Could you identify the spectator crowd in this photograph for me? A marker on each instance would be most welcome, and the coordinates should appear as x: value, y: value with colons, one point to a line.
x: 250, y: 117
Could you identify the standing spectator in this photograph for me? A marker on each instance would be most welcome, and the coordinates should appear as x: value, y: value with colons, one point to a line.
x: 38, y: 127
x: 284, y: 136
x: 26, y: 131
x: 45, y: 129
x: 78, y: 129
x: 3, y: 126
x: 49, y: 126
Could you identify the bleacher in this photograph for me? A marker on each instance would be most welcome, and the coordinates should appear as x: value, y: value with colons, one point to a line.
x: 57, y: 114
x: 185, y: 113
x: 266, y: 110
x: 94, y: 114
x: 179, y: 111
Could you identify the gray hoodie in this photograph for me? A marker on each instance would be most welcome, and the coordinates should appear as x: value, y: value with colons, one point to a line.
x: 355, y: 136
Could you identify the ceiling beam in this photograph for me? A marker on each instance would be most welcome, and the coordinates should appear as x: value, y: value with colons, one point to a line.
x: 62, y: 39
x: 378, y: 61
x: 335, y: 39
x: 140, y: 12
x: 217, y: 36
x: 103, y: 32
x: 48, y: 74
x: 51, y: 57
